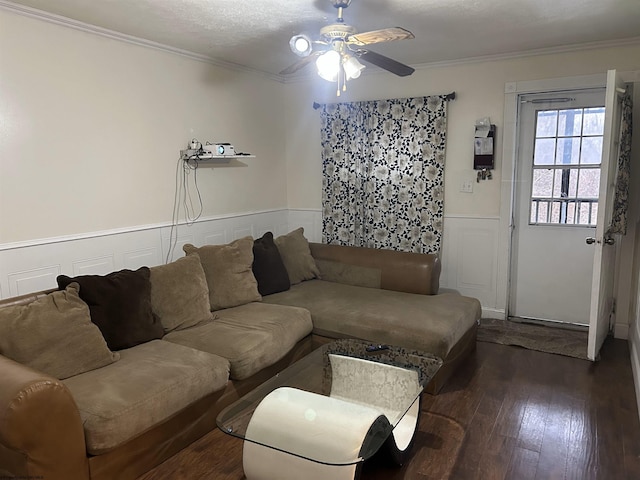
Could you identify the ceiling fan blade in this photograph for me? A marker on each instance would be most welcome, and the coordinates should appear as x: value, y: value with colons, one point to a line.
x: 300, y: 64
x: 387, y: 63
x: 378, y: 36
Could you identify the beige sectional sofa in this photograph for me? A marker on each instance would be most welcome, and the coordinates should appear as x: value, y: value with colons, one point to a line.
x: 164, y: 349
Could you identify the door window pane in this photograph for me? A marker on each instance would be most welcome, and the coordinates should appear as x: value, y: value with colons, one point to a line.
x: 544, y: 153
x: 570, y: 122
x: 542, y: 182
x: 555, y: 212
x: 589, y: 186
x: 593, y: 121
x: 591, y: 150
x: 568, y: 151
x: 571, y: 213
x: 546, y: 121
x: 557, y: 184
x: 574, y: 174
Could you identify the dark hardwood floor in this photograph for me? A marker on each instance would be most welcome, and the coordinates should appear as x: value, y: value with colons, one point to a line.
x: 508, y: 413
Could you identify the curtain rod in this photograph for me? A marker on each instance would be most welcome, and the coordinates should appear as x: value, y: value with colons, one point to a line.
x: 448, y: 97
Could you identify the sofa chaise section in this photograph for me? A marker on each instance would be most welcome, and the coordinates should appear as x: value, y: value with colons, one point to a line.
x: 430, y: 323
x: 386, y: 296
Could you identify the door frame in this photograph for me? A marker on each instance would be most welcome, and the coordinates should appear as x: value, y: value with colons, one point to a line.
x: 510, y: 147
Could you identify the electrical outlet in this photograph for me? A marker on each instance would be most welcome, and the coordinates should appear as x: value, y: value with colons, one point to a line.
x: 466, y: 186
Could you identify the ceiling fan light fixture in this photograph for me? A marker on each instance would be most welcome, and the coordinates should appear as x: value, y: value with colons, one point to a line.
x: 352, y: 67
x: 329, y: 65
x: 300, y: 45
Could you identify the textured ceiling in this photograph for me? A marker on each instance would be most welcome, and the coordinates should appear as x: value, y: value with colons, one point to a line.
x: 255, y: 33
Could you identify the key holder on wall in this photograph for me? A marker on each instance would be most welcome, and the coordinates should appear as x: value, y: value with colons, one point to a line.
x: 484, y: 149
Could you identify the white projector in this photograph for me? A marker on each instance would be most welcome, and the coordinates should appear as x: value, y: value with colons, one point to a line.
x: 219, y: 148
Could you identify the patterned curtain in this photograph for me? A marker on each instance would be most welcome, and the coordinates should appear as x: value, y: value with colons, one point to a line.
x: 621, y: 199
x: 383, y: 170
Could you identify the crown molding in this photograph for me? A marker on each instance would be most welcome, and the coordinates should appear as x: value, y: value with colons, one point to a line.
x: 624, y: 42
x: 123, y: 37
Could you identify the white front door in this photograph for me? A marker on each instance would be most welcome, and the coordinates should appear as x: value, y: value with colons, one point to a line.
x: 557, y: 190
x: 602, y: 295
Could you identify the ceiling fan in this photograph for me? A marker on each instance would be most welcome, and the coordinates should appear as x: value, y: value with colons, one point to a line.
x: 339, y: 48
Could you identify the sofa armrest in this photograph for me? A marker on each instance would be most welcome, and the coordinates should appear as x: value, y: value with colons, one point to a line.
x: 41, y: 433
x: 400, y: 271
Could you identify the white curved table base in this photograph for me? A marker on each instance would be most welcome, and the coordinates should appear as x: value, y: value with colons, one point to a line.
x: 335, y: 430
x: 264, y: 463
x: 400, y: 442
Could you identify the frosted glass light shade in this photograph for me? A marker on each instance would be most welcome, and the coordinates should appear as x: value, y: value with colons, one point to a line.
x: 352, y: 67
x: 329, y: 65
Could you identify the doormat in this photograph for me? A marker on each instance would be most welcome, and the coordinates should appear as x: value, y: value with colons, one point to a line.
x: 561, y: 341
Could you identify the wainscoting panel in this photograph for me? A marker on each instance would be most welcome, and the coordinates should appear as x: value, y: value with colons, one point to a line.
x: 310, y: 220
x: 94, y: 266
x: 33, y: 266
x: 470, y: 259
x: 21, y: 283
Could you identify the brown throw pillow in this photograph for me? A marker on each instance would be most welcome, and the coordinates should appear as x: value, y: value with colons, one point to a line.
x: 179, y: 294
x: 228, y: 271
x: 120, y: 305
x: 54, y: 335
x: 296, y: 255
x: 268, y: 268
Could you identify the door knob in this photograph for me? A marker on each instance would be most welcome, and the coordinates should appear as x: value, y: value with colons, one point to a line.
x: 609, y: 240
x: 590, y: 240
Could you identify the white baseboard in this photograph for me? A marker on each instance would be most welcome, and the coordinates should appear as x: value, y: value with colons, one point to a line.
x: 621, y: 330
x: 493, y: 313
x: 634, y: 342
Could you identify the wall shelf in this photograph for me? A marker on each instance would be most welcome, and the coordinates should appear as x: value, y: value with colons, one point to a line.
x: 187, y: 155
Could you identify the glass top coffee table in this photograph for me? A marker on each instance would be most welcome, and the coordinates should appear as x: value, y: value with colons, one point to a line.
x: 324, y: 415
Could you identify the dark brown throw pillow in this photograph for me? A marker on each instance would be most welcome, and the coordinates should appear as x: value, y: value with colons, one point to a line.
x: 120, y: 305
x: 268, y: 267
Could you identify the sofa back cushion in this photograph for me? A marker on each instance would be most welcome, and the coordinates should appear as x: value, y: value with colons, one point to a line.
x: 179, y: 293
x: 120, y: 305
x: 228, y: 271
x: 268, y: 268
x: 54, y: 335
x: 296, y: 255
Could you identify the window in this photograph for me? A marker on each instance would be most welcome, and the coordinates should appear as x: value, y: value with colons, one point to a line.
x: 566, y: 166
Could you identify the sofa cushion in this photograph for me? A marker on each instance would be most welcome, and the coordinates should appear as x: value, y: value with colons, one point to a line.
x: 430, y: 323
x: 268, y: 268
x: 149, y: 384
x: 120, y: 305
x: 228, y: 271
x: 179, y: 293
x: 296, y: 255
x: 251, y: 337
x: 54, y: 335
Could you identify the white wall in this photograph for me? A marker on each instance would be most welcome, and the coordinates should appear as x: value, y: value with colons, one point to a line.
x: 91, y: 128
